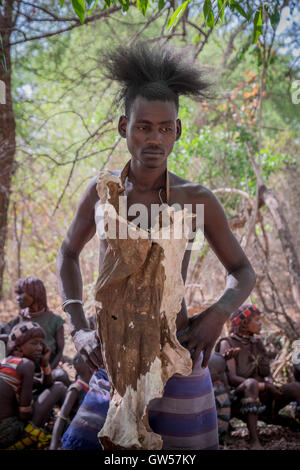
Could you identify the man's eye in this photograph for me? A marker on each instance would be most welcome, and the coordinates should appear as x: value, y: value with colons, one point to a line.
x: 166, y: 129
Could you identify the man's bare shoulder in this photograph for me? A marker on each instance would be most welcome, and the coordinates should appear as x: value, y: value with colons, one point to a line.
x: 192, y: 192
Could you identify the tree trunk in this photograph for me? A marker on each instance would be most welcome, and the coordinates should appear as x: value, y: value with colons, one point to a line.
x: 7, y: 132
x: 269, y: 198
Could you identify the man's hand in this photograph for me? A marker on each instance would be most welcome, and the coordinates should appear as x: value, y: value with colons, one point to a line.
x: 203, y: 332
x: 88, y: 345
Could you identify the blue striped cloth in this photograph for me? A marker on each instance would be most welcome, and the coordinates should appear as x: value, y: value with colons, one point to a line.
x: 185, y: 416
x: 82, y: 433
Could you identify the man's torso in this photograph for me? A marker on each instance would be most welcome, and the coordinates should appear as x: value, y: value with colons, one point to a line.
x: 181, y: 194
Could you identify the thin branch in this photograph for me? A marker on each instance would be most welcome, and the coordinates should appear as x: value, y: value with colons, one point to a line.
x: 77, y: 23
x: 149, y: 21
x: 234, y: 191
x: 50, y: 13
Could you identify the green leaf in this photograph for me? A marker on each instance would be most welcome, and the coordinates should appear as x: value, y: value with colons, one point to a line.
x: 79, y: 8
x: 93, y: 7
x: 161, y: 4
x: 207, y: 8
x: 257, y: 25
x: 234, y: 5
x: 177, y: 14
x: 125, y: 5
x: 208, y: 13
x: 273, y: 14
x: 210, y: 19
x: 250, y: 13
x: 221, y: 8
x: 61, y: 3
x: 142, y: 5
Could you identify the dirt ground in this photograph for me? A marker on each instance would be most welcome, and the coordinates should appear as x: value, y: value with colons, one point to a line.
x: 271, y: 437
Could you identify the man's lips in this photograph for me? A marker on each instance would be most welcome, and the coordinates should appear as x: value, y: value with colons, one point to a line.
x: 153, y: 152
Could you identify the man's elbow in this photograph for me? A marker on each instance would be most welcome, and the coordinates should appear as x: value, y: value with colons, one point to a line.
x: 60, y: 254
x: 66, y: 252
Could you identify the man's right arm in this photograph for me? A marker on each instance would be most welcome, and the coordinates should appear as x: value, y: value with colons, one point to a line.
x: 82, y: 229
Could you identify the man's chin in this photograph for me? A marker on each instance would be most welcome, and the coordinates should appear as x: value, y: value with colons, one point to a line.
x: 155, y: 161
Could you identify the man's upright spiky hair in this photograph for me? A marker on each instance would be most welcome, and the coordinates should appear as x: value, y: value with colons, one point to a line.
x: 155, y: 74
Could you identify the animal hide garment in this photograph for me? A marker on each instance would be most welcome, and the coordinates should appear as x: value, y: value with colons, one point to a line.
x: 138, y: 295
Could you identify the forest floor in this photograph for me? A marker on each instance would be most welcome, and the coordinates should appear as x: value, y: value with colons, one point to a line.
x: 271, y: 437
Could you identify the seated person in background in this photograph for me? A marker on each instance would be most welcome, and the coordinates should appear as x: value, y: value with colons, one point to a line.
x: 217, y: 369
x: 250, y: 376
x: 20, y: 414
x: 32, y: 299
x: 75, y: 395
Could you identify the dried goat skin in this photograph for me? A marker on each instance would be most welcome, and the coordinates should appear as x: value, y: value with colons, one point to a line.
x: 138, y: 295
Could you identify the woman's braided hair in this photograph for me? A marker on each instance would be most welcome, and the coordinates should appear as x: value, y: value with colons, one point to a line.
x: 241, y: 317
x: 35, y: 288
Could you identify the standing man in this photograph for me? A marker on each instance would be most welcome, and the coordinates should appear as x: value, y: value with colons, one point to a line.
x: 151, y: 82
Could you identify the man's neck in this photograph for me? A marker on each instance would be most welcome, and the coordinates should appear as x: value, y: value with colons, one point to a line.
x: 145, y: 179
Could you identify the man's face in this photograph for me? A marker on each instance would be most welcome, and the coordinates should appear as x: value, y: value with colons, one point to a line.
x: 33, y: 349
x: 151, y: 131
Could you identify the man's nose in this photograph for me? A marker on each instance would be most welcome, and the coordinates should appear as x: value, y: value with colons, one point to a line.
x: 154, y: 136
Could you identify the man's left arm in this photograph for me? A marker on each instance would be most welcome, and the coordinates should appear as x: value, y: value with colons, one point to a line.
x: 205, y: 328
